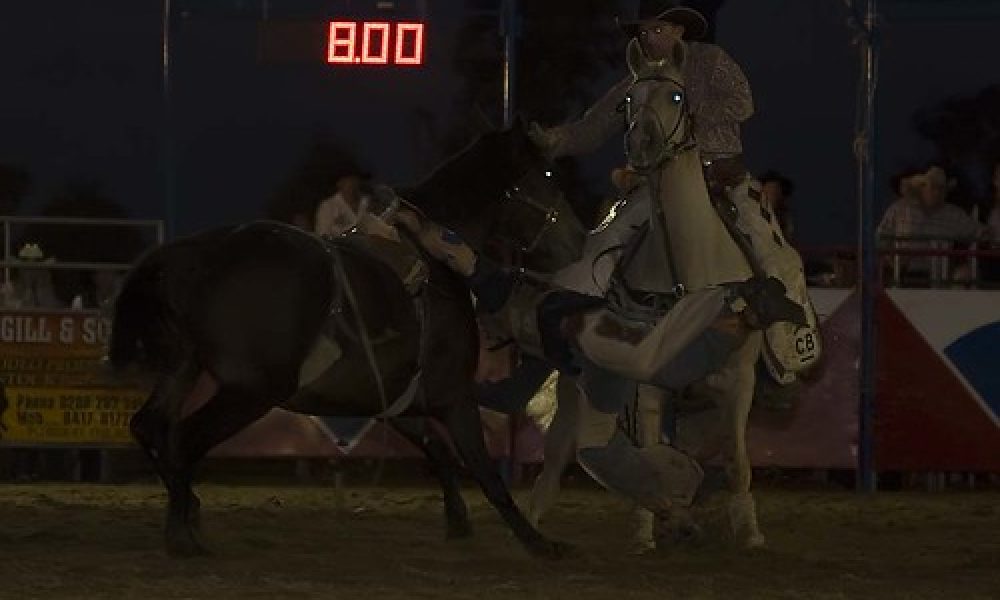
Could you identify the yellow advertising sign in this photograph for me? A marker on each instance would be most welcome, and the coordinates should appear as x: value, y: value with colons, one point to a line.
x: 62, y: 334
x: 70, y: 415
x: 57, y: 388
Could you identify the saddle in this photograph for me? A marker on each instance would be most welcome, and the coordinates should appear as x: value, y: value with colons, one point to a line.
x: 401, y: 256
x: 403, y: 259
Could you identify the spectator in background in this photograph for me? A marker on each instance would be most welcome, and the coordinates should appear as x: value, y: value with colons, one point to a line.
x: 14, y: 184
x: 776, y: 192
x: 31, y: 286
x: 922, y: 219
x: 994, y: 219
x: 991, y: 266
x: 902, y: 183
x: 343, y: 210
x: 357, y: 206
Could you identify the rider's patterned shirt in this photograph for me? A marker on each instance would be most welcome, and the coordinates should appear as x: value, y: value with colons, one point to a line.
x: 719, y: 97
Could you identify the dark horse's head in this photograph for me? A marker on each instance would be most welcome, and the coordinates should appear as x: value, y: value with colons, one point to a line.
x: 500, y: 196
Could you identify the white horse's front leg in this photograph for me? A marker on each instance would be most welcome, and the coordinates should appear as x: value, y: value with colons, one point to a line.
x: 736, y: 386
x: 560, y: 449
x: 649, y: 420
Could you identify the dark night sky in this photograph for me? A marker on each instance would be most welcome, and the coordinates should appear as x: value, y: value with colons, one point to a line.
x: 81, y: 98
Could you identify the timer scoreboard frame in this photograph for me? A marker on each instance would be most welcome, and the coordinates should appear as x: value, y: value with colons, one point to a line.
x: 379, y: 43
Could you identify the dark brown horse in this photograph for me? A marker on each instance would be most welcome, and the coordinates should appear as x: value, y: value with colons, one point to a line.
x: 248, y: 304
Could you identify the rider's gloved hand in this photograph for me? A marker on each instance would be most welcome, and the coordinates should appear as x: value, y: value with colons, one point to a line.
x: 625, y: 178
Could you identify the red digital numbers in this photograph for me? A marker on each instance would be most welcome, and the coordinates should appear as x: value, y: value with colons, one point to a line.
x: 380, y: 43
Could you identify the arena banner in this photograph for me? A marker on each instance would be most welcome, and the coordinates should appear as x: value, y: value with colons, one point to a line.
x: 56, y: 388
x: 47, y: 415
x: 820, y: 427
x: 937, y: 404
x: 938, y: 395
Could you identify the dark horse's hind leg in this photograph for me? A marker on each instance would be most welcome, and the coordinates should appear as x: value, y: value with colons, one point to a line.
x: 465, y: 427
x: 150, y: 425
x: 445, y: 467
x: 228, y: 412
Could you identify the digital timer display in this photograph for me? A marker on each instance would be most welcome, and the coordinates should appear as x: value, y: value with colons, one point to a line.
x: 375, y: 43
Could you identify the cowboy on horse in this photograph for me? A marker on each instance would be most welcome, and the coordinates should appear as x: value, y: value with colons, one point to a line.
x: 548, y: 321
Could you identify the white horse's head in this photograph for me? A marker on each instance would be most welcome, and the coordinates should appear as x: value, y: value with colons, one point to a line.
x: 656, y: 108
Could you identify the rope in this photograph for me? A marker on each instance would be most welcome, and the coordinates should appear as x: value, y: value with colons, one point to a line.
x: 366, y: 342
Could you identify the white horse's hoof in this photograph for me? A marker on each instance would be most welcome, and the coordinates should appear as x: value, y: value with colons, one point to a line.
x: 743, y: 519
x: 642, y: 547
x: 678, y: 527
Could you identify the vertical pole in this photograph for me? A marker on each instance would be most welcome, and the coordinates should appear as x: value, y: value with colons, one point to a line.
x: 509, y: 30
x: 169, y: 207
x: 6, y: 252
x: 869, y: 257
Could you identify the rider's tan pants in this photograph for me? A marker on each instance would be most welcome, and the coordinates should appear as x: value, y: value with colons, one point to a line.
x: 641, y: 361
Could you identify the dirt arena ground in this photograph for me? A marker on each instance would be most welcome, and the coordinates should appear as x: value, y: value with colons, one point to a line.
x: 299, y: 541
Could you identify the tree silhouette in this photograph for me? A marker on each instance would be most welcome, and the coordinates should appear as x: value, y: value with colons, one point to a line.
x: 14, y: 184
x: 965, y: 130
x: 710, y: 9
x: 84, y: 243
x: 565, y: 48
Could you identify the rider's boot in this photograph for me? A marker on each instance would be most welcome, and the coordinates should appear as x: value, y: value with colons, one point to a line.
x: 660, y: 478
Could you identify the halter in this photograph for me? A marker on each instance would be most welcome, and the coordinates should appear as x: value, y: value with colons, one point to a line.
x: 667, y: 150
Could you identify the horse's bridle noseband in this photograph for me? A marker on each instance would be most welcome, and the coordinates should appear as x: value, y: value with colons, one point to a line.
x: 668, y: 150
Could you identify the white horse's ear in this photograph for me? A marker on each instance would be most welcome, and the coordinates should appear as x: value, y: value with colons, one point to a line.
x: 636, y: 57
x: 679, y: 55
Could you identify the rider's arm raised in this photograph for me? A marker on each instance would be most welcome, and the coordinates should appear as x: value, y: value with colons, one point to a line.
x: 595, y: 127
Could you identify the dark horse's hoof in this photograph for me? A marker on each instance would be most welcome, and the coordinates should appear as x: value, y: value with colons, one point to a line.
x: 459, y: 531
x: 548, y: 549
x: 182, y: 543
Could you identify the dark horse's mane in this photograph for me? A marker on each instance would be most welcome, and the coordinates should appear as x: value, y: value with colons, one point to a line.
x: 474, y: 175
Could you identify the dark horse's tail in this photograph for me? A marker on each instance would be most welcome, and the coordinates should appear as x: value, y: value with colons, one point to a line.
x: 138, y: 309
x: 143, y: 328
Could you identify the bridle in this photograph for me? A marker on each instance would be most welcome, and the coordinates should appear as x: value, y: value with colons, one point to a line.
x: 666, y: 150
x: 630, y: 300
x: 520, y: 199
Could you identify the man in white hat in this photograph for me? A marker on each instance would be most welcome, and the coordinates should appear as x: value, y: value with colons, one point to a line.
x: 924, y: 219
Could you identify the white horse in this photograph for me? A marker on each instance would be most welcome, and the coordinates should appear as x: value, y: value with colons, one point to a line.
x: 703, y: 257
